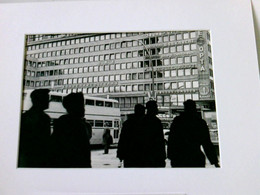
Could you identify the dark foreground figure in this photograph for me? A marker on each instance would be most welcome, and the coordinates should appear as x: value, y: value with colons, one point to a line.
x: 130, y: 146
x: 35, y: 132
x: 154, y: 144
x: 187, y: 134
x: 70, y: 139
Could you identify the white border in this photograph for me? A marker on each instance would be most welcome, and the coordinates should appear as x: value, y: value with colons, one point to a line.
x: 236, y: 80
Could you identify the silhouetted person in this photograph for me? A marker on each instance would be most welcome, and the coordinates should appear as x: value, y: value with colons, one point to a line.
x: 154, y: 144
x: 71, y: 135
x: 188, y: 133
x: 35, y: 132
x: 130, y: 145
x: 107, y: 140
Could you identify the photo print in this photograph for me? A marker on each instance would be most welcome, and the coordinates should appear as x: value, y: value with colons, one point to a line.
x: 119, y: 100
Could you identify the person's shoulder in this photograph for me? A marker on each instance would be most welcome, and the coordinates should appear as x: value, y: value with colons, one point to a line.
x: 64, y: 117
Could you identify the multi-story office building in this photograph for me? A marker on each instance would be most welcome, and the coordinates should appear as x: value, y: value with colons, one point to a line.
x: 130, y: 67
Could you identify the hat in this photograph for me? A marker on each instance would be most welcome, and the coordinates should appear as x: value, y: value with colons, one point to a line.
x: 38, y: 93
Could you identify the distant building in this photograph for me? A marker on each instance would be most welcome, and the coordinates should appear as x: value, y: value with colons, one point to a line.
x: 120, y: 65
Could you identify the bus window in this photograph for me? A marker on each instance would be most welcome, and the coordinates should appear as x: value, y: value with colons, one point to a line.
x: 99, y: 103
x: 98, y: 123
x: 109, y: 123
x: 90, y: 102
x: 56, y: 98
x: 116, y: 124
x: 116, y: 133
x: 116, y: 105
x: 91, y: 122
x: 108, y: 104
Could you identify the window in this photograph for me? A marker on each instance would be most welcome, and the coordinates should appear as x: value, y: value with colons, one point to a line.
x: 123, y: 77
x: 186, y: 47
x: 117, y: 77
x: 165, y: 38
x: 195, y: 96
x: 179, y: 48
x: 135, y: 87
x: 188, y: 84
x: 174, y: 85
x: 187, y: 97
x: 90, y: 102
x: 118, y: 56
x: 166, y: 50
x: 187, y: 59
x: 193, y: 46
x: 172, y: 37
x: 173, y: 49
x: 90, y: 69
x: 180, y: 60
x: 194, y: 71
x: 100, y: 78
x: 180, y: 99
x: 117, y: 88
x: 185, y: 35
x: 117, y: 66
x: 111, y: 77
x: 122, y: 88
x: 192, y: 35
x: 166, y: 73
x: 166, y: 62
x: 99, y: 123
x: 106, y: 78
x: 89, y: 90
x: 173, y: 61
x: 194, y: 59
x: 100, y: 90
x: 179, y: 36
x: 167, y: 86
x: 111, y: 89
x: 105, y: 89
x: 140, y: 87
x: 187, y: 72
x: 128, y: 88
x: 195, y: 84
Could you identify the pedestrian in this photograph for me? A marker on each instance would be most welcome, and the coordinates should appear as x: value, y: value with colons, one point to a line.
x: 107, y: 139
x: 188, y: 133
x: 35, y: 132
x: 130, y: 145
x: 154, y: 154
x: 71, y: 135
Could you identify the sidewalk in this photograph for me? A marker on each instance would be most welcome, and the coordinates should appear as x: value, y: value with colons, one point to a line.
x: 100, y: 160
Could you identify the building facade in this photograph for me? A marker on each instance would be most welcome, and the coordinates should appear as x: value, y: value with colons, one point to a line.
x: 170, y: 66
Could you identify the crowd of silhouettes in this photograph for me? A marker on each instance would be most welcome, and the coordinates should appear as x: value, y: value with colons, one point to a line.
x: 141, y: 143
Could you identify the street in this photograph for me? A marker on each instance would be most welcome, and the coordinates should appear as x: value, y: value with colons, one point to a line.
x: 100, y: 160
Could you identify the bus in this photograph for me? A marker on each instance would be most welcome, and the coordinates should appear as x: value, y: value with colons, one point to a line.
x: 100, y: 112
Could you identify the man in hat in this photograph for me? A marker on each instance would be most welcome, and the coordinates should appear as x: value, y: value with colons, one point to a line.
x: 35, y: 132
x: 188, y: 133
x: 71, y: 135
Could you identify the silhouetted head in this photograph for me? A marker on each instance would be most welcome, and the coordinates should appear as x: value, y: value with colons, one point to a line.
x: 74, y: 104
x: 189, y: 106
x: 152, y: 108
x: 139, y: 110
x: 40, y: 98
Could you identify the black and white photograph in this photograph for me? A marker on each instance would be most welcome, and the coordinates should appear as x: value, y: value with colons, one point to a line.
x: 119, y: 100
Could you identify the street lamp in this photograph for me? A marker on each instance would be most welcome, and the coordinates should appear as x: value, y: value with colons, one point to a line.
x: 150, y: 62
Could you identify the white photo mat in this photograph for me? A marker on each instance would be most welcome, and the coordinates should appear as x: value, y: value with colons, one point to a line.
x: 236, y: 83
